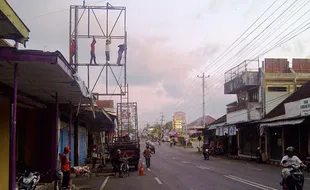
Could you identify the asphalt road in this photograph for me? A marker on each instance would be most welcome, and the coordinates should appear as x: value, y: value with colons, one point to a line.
x: 174, y: 168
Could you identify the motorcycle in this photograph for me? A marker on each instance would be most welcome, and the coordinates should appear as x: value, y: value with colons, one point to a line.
x: 206, y: 154
x: 124, y: 167
x: 29, y: 180
x: 296, y: 180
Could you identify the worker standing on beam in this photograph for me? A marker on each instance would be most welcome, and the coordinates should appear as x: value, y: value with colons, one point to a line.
x: 107, y: 50
x: 92, y: 51
x: 72, y: 50
x: 121, y: 49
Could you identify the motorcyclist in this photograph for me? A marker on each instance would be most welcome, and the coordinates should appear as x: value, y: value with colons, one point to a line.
x: 287, y: 161
x: 116, y: 162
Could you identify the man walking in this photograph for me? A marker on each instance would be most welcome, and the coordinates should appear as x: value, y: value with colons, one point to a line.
x: 107, y: 50
x: 92, y: 51
x: 65, y: 167
x: 147, y: 155
x: 121, y: 49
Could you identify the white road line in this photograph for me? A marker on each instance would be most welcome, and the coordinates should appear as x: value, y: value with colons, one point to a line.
x: 225, y: 162
x: 251, y: 183
x: 255, y: 168
x: 149, y: 169
x: 158, y: 181
x: 203, y: 167
x: 308, y: 178
x: 174, y: 158
x: 104, y: 183
x: 185, y: 162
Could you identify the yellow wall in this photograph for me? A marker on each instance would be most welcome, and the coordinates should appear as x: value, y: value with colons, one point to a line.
x: 4, y: 142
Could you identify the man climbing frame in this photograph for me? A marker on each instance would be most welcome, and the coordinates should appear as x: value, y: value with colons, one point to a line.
x: 107, y: 50
x: 72, y: 50
x: 121, y: 49
x: 92, y: 51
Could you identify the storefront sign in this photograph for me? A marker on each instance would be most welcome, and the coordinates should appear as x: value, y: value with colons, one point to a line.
x: 305, y: 107
x: 229, y: 130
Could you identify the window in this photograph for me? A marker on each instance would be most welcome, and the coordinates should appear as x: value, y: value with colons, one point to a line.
x: 253, y: 95
x: 277, y: 89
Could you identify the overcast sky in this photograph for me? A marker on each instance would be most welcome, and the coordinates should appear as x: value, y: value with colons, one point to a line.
x: 169, y: 43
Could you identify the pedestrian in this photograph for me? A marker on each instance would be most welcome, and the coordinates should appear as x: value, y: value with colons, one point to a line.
x: 107, y: 50
x: 92, y: 51
x: 65, y: 167
x: 94, y: 157
x: 72, y: 50
x: 121, y: 49
x: 147, y: 155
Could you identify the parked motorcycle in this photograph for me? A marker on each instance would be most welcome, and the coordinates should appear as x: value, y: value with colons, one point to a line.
x: 296, y: 180
x: 258, y: 155
x: 29, y: 180
x: 206, y: 154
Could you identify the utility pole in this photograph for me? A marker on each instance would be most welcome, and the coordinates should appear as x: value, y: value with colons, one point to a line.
x: 203, y: 102
x: 203, y: 96
x: 162, y: 124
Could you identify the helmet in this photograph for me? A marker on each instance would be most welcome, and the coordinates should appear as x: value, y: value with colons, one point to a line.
x: 290, y: 149
x: 118, y: 151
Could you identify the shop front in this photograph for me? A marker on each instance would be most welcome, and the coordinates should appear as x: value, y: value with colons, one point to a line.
x: 227, y: 137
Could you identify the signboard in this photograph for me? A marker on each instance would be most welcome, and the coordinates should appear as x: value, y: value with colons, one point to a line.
x: 305, y: 107
x: 229, y: 130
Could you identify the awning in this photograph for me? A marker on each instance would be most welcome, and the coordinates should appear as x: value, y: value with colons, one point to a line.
x: 281, y: 123
x: 41, y: 75
x: 213, y: 127
x: 12, y: 27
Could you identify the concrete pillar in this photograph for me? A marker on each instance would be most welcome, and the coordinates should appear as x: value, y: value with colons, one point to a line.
x: 76, y: 142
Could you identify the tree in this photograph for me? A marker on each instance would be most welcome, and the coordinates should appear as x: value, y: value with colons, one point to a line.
x: 168, y: 125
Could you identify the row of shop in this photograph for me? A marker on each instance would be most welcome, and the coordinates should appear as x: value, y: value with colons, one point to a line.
x: 45, y: 106
x: 288, y: 124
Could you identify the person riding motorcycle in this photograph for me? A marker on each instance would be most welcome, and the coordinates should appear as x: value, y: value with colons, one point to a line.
x: 287, y: 161
x: 116, y: 162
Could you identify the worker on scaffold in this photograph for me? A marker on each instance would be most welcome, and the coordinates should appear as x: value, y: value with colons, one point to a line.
x: 92, y: 51
x: 107, y: 50
x: 72, y: 50
x: 121, y: 49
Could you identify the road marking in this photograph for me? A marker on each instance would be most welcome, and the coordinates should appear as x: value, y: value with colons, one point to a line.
x: 104, y: 183
x: 148, y: 169
x: 174, y: 158
x: 185, y: 162
x: 308, y: 178
x: 255, y: 168
x: 251, y: 183
x: 203, y: 167
x: 158, y: 181
x: 225, y: 162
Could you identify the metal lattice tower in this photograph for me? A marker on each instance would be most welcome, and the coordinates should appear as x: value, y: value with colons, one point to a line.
x: 77, y: 12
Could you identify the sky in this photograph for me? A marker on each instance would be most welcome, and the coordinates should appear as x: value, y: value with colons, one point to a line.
x: 170, y: 42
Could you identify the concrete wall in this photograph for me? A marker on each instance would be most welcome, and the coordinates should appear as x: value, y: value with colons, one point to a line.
x: 273, y: 99
x: 254, y: 110
x: 237, y: 116
x: 4, y: 142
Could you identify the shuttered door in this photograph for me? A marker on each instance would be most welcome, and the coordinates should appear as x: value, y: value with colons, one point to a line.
x: 82, y: 147
x: 64, y: 141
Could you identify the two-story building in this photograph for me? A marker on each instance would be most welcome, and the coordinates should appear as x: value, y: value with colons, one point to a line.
x: 259, y: 90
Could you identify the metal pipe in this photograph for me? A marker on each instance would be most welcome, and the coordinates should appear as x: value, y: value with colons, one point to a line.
x: 107, y: 80
x: 54, y: 162
x: 70, y: 129
x: 88, y: 77
x: 70, y: 30
x: 12, y: 163
x: 76, y: 37
x: 88, y: 30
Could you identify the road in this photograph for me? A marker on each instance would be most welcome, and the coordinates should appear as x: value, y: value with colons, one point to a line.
x: 181, y: 169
